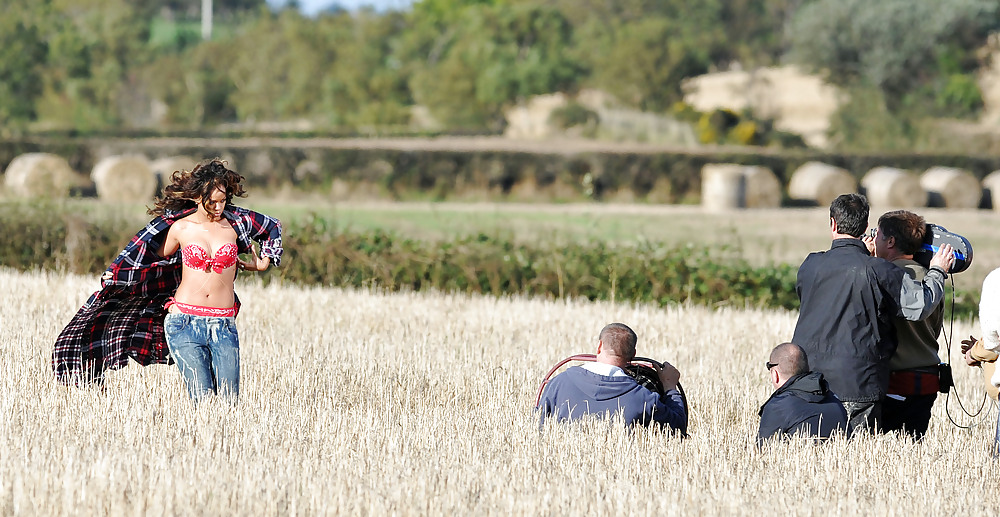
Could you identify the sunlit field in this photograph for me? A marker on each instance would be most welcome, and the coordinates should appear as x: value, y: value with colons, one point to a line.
x: 421, y: 403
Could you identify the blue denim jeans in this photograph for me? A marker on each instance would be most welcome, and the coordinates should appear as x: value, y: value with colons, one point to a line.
x: 207, y: 352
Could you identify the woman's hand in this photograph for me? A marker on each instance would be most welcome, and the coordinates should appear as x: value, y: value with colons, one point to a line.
x: 257, y: 263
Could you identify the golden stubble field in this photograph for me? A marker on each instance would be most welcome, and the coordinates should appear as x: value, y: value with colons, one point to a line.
x: 420, y: 404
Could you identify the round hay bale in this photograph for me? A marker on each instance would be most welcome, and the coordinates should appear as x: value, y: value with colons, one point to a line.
x: 308, y: 171
x: 763, y: 188
x: 40, y: 175
x: 820, y: 183
x: 124, y: 178
x: 163, y: 168
x: 991, y: 189
x: 723, y: 187
x: 951, y: 188
x: 891, y: 187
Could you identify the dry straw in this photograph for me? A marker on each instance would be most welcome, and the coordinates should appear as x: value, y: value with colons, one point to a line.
x: 950, y: 187
x: 891, y: 187
x: 991, y: 186
x: 420, y: 404
x: 820, y: 183
x: 124, y: 179
x: 40, y: 175
x: 728, y: 186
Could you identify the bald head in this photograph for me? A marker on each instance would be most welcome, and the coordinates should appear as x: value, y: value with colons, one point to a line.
x: 619, y: 341
x: 790, y: 360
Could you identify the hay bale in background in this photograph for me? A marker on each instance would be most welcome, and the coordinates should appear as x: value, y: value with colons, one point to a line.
x: 991, y: 190
x: 163, y: 168
x: 723, y: 187
x: 730, y: 186
x: 763, y: 188
x: 820, y: 183
x: 307, y: 171
x: 124, y: 178
x: 951, y: 188
x: 41, y: 175
x: 890, y: 187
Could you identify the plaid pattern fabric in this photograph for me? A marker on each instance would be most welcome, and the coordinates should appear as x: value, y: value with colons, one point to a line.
x: 125, y: 318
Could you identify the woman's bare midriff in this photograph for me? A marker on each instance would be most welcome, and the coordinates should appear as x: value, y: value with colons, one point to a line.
x: 206, y: 288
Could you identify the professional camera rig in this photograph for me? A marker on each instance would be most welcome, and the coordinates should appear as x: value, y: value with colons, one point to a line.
x: 938, y: 236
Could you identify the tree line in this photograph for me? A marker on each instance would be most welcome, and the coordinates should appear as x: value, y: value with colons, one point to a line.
x: 111, y: 65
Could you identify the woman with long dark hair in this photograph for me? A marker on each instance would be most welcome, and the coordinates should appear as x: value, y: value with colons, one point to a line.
x: 170, y: 293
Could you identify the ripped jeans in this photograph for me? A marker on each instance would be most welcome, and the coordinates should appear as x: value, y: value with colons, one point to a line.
x: 207, y: 352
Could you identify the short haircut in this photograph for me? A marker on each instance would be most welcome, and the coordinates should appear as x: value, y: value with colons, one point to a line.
x: 619, y: 340
x: 906, y: 227
x: 850, y: 212
x: 791, y: 359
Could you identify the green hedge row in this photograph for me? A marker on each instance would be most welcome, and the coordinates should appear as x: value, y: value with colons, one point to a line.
x: 318, y: 253
x: 669, y: 176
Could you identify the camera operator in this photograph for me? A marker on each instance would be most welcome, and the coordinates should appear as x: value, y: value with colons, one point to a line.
x: 914, y: 371
x: 847, y: 303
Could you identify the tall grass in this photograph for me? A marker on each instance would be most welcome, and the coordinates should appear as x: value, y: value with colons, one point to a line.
x: 420, y: 403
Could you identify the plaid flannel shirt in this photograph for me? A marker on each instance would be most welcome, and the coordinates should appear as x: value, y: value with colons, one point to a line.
x: 125, y: 318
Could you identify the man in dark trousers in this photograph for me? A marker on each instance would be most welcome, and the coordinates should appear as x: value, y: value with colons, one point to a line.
x: 604, y: 389
x: 848, y: 299
x: 802, y: 403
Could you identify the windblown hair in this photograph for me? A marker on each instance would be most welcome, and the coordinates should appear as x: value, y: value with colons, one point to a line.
x: 188, y: 188
x: 850, y: 212
x: 620, y: 339
x: 908, y: 228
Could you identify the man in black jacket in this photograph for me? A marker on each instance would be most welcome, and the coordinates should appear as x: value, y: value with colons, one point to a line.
x: 847, y: 303
x: 802, y: 402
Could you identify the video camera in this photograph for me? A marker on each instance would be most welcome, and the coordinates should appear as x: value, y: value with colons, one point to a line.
x: 938, y: 236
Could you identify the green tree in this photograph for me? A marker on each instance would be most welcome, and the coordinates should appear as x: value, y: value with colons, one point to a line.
x: 892, y: 45
x: 902, y: 62
x: 644, y: 62
x: 194, y: 87
x: 93, y: 47
x: 366, y: 85
x: 22, y: 54
x: 496, y: 57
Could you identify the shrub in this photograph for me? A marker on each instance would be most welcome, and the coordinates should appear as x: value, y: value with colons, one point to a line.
x: 318, y: 253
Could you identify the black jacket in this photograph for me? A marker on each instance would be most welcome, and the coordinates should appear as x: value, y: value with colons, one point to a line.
x: 847, y: 303
x: 803, y: 404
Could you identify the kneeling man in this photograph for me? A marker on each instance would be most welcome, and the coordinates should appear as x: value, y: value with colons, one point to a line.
x: 802, y: 402
x: 603, y: 388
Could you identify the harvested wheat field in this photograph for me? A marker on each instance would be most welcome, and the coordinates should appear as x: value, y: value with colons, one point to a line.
x: 420, y: 404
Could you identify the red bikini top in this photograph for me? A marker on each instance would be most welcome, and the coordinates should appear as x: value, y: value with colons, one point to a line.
x: 195, y: 257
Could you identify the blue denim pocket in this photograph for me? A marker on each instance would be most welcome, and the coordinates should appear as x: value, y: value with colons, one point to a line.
x: 231, y: 326
x: 174, y: 323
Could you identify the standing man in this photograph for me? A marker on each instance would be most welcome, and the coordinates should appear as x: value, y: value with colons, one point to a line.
x: 802, y: 402
x: 604, y: 389
x: 913, y: 370
x: 847, y: 303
